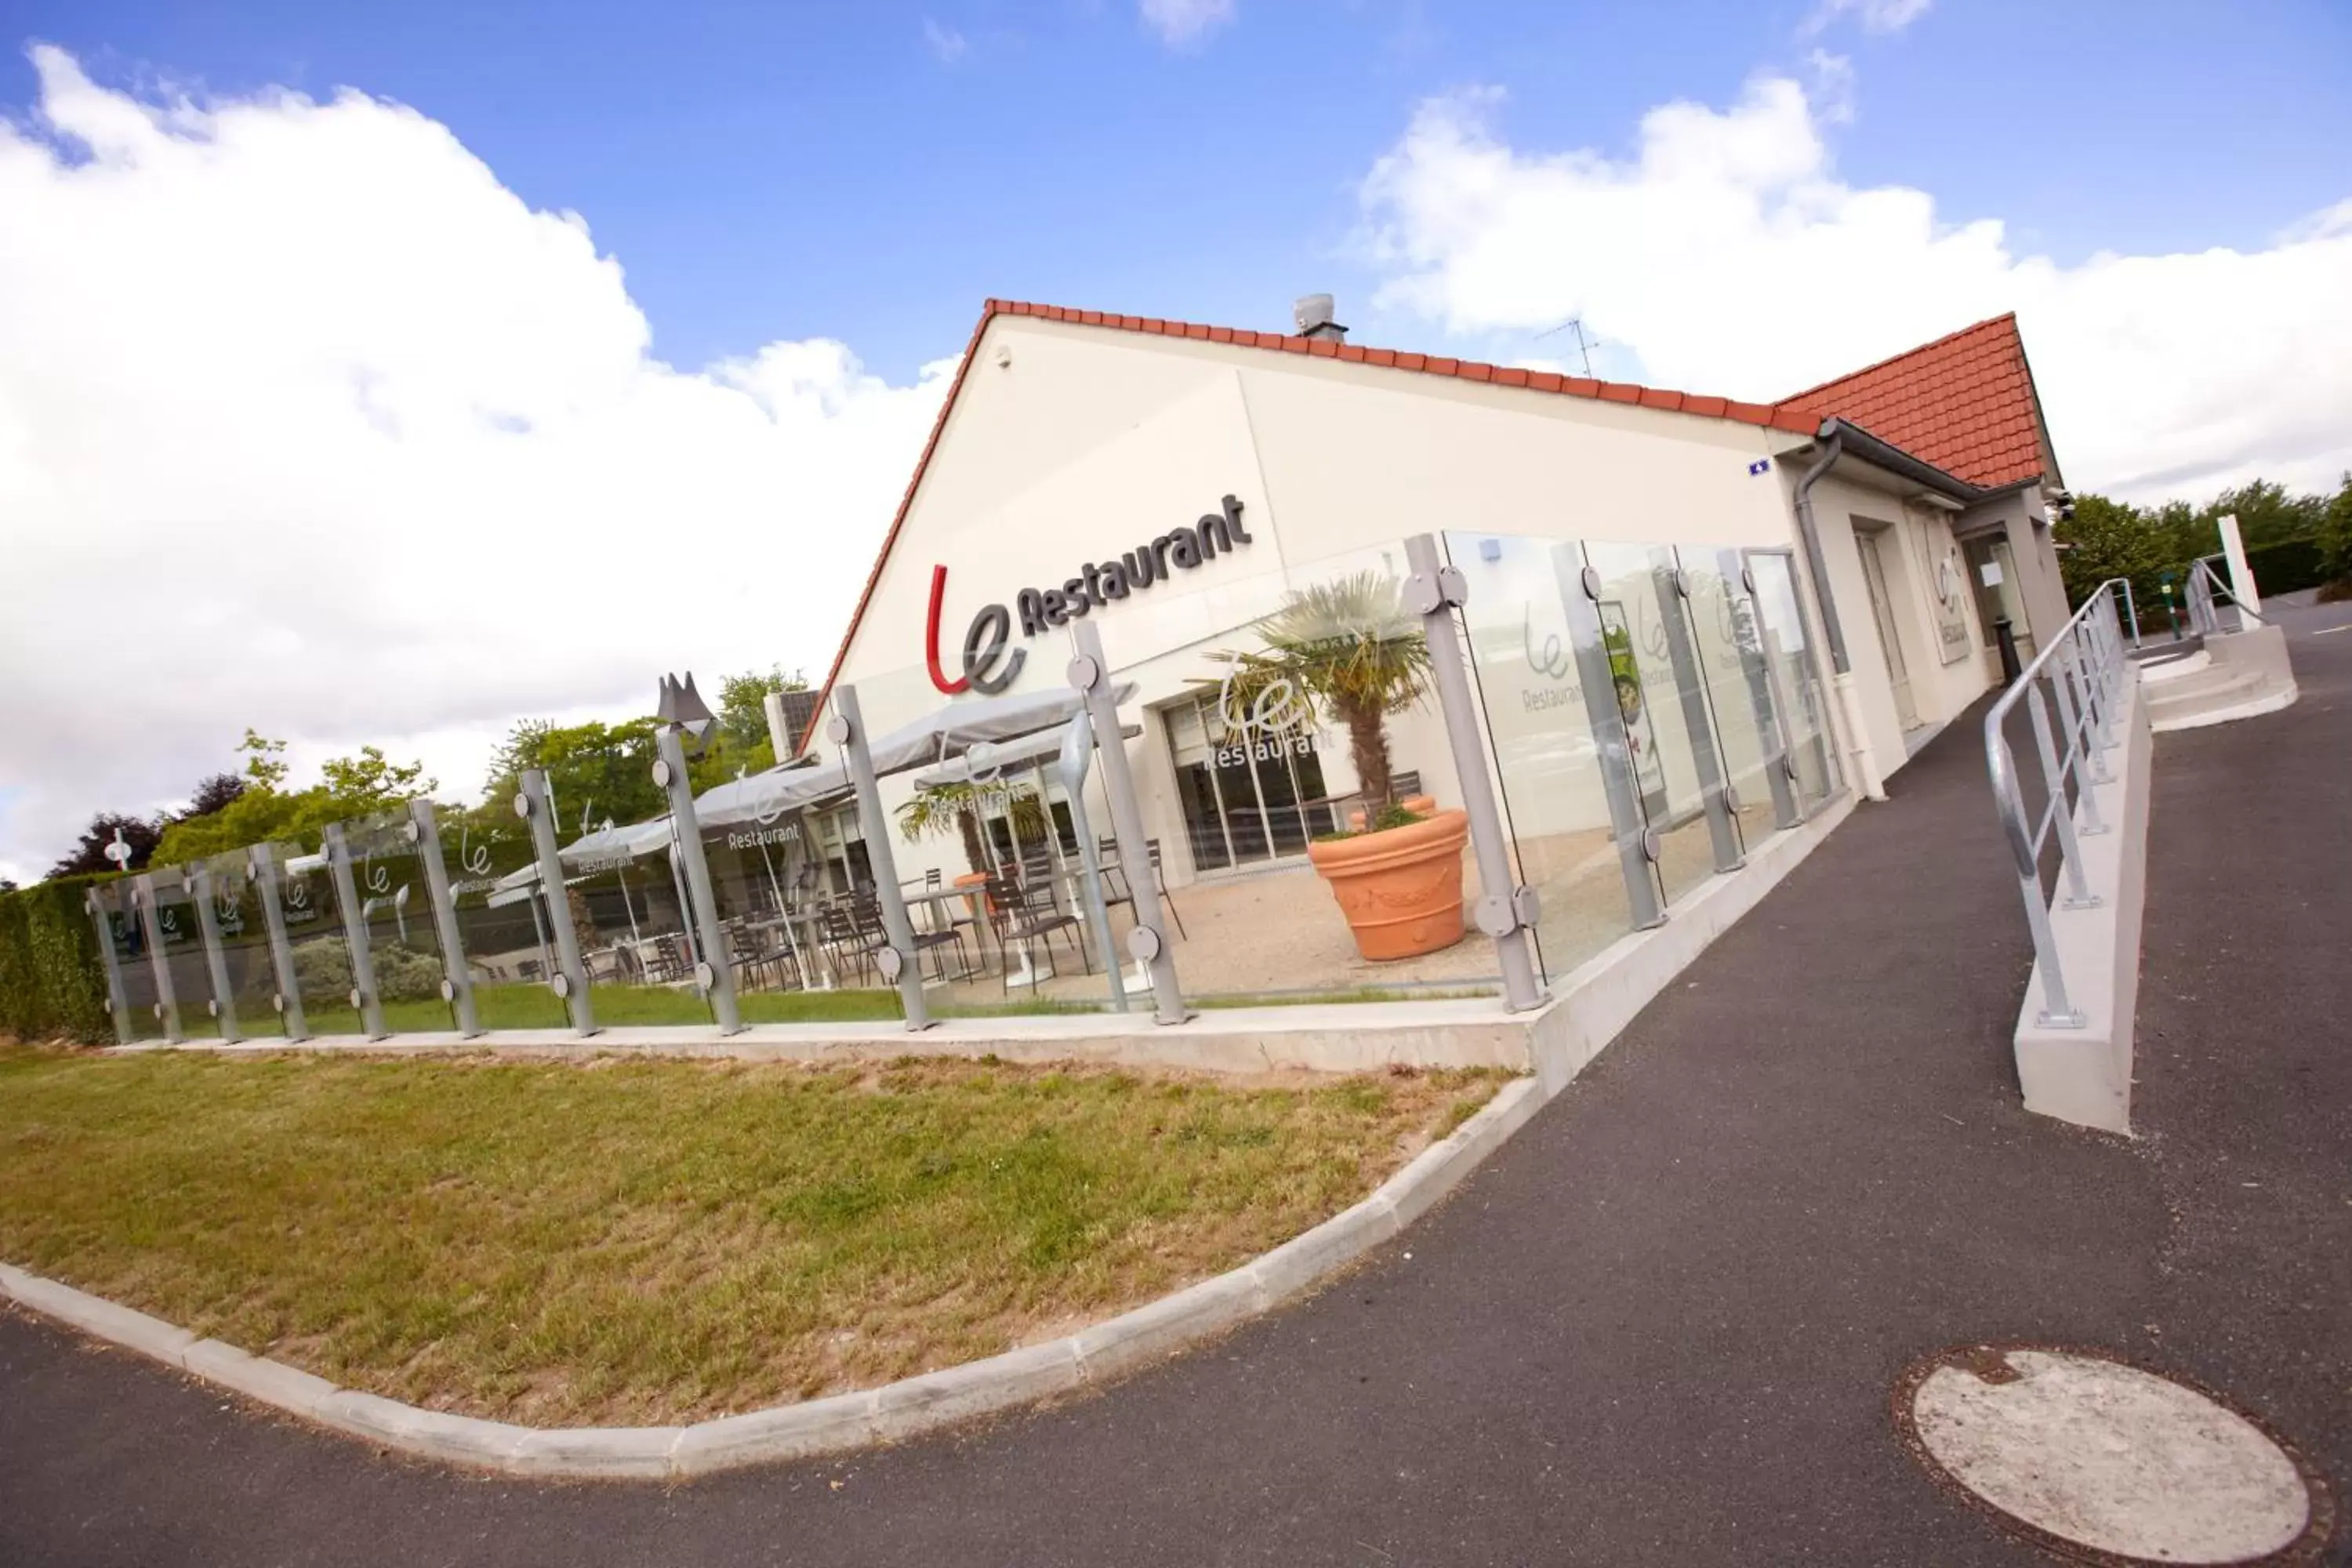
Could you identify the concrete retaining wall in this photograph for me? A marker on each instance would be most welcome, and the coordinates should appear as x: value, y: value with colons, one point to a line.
x: 2085, y: 1074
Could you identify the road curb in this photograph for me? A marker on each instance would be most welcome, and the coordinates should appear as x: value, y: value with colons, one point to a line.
x: 841, y: 1423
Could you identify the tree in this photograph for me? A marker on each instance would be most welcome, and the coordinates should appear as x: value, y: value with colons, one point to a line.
x: 2116, y: 539
x: 7, y: 884
x: 368, y: 783
x: 264, y: 811
x: 744, y: 704
x: 956, y: 807
x: 2266, y: 515
x: 212, y: 794
x: 596, y: 771
x: 265, y: 759
x: 2335, y: 543
x: 88, y: 858
x: 1351, y: 647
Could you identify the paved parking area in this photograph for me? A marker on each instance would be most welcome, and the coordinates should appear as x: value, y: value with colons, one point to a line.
x: 1660, y: 1327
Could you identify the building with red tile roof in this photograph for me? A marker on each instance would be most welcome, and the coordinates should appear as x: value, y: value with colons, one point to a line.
x: 1965, y: 403
x: 1904, y: 495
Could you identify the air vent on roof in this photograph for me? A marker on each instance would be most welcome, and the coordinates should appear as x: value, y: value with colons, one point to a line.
x: 1313, y: 314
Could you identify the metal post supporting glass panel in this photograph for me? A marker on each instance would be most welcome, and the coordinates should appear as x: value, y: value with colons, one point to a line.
x: 167, y: 1005
x: 1076, y: 753
x: 571, y: 978
x: 1747, y: 636
x: 1637, y: 847
x: 716, y: 972
x: 1435, y: 592
x: 1090, y: 674
x: 223, y: 1003
x: 262, y: 862
x: 117, y: 1002
x: 355, y: 932
x: 456, y: 977
x: 898, y: 962
x: 1674, y: 601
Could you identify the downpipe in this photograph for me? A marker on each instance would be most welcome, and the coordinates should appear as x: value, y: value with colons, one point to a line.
x: 1864, y: 760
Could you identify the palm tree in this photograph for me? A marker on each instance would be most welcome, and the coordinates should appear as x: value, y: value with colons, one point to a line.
x: 1351, y: 647
x: 940, y: 808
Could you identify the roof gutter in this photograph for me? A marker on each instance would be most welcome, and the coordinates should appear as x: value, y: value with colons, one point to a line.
x: 1862, y: 444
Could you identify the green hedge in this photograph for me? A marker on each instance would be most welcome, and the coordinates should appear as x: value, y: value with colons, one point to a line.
x: 52, y: 976
x: 2285, y: 567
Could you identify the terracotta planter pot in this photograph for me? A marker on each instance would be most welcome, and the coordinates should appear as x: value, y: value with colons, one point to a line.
x: 975, y: 886
x: 1419, y: 804
x: 1400, y: 888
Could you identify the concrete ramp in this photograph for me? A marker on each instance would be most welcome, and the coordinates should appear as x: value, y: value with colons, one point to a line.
x: 2239, y: 675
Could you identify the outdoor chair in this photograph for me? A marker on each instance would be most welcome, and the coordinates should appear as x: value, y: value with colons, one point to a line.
x: 867, y: 912
x: 957, y: 913
x: 1017, y: 917
x: 752, y: 959
x: 844, y: 937
x: 669, y: 965
x: 1117, y: 889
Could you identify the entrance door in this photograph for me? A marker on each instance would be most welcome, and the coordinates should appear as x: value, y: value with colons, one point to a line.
x: 1992, y: 575
x: 1882, y: 606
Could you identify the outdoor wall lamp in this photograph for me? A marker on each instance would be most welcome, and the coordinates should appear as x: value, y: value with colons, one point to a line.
x: 681, y: 707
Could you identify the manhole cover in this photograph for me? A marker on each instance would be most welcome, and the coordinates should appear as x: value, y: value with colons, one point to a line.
x: 2102, y: 1460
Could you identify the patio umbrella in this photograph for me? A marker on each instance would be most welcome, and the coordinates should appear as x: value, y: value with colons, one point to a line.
x: 937, y: 737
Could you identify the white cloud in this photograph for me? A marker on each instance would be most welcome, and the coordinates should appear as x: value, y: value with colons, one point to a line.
x: 1180, y: 24
x: 308, y: 423
x: 1727, y: 254
x: 945, y: 42
x: 1875, y: 16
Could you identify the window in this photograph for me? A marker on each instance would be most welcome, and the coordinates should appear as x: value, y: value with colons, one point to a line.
x: 1244, y: 798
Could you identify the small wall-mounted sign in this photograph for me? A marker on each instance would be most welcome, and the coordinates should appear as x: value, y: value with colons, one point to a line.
x: 1991, y: 573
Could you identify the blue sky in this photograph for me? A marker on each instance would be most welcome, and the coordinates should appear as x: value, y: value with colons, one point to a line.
x: 785, y: 171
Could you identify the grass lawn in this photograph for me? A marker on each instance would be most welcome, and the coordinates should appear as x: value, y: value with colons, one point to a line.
x: 618, y: 1006
x: 617, y: 1241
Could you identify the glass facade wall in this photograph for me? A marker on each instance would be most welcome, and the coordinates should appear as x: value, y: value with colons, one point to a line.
x: 1649, y: 714
x: 1785, y: 631
x: 181, y: 936
x: 117, y: 903
x: 1638, y: 708
x: 251, y: 972
x: 508, y: 951
x: 395, y: 920
x: 625, y: 895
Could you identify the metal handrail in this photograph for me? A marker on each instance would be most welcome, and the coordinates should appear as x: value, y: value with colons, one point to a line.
x: 2203, y: 582
x: 2086, y: 667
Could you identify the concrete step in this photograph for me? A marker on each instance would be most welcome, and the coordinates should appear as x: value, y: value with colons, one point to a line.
x: 2215, y: 697
x: 2196, y: 684
x: 2156, y: 673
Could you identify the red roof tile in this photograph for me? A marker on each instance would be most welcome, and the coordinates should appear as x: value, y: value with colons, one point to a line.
x: 1965, y: 403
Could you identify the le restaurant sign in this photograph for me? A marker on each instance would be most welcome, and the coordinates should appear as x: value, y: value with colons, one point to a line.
x: 991, y: 662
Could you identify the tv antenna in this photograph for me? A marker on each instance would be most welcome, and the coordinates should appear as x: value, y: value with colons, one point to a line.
x: 1584, y: 343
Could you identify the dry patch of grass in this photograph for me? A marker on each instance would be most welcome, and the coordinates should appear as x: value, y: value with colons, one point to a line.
x: 631, y: 1241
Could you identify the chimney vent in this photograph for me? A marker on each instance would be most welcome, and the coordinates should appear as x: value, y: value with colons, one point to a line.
x: 1313, y: 314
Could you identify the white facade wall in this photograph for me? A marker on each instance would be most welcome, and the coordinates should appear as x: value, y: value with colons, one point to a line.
x: 1070, y: 444
x: 1920, y: 555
